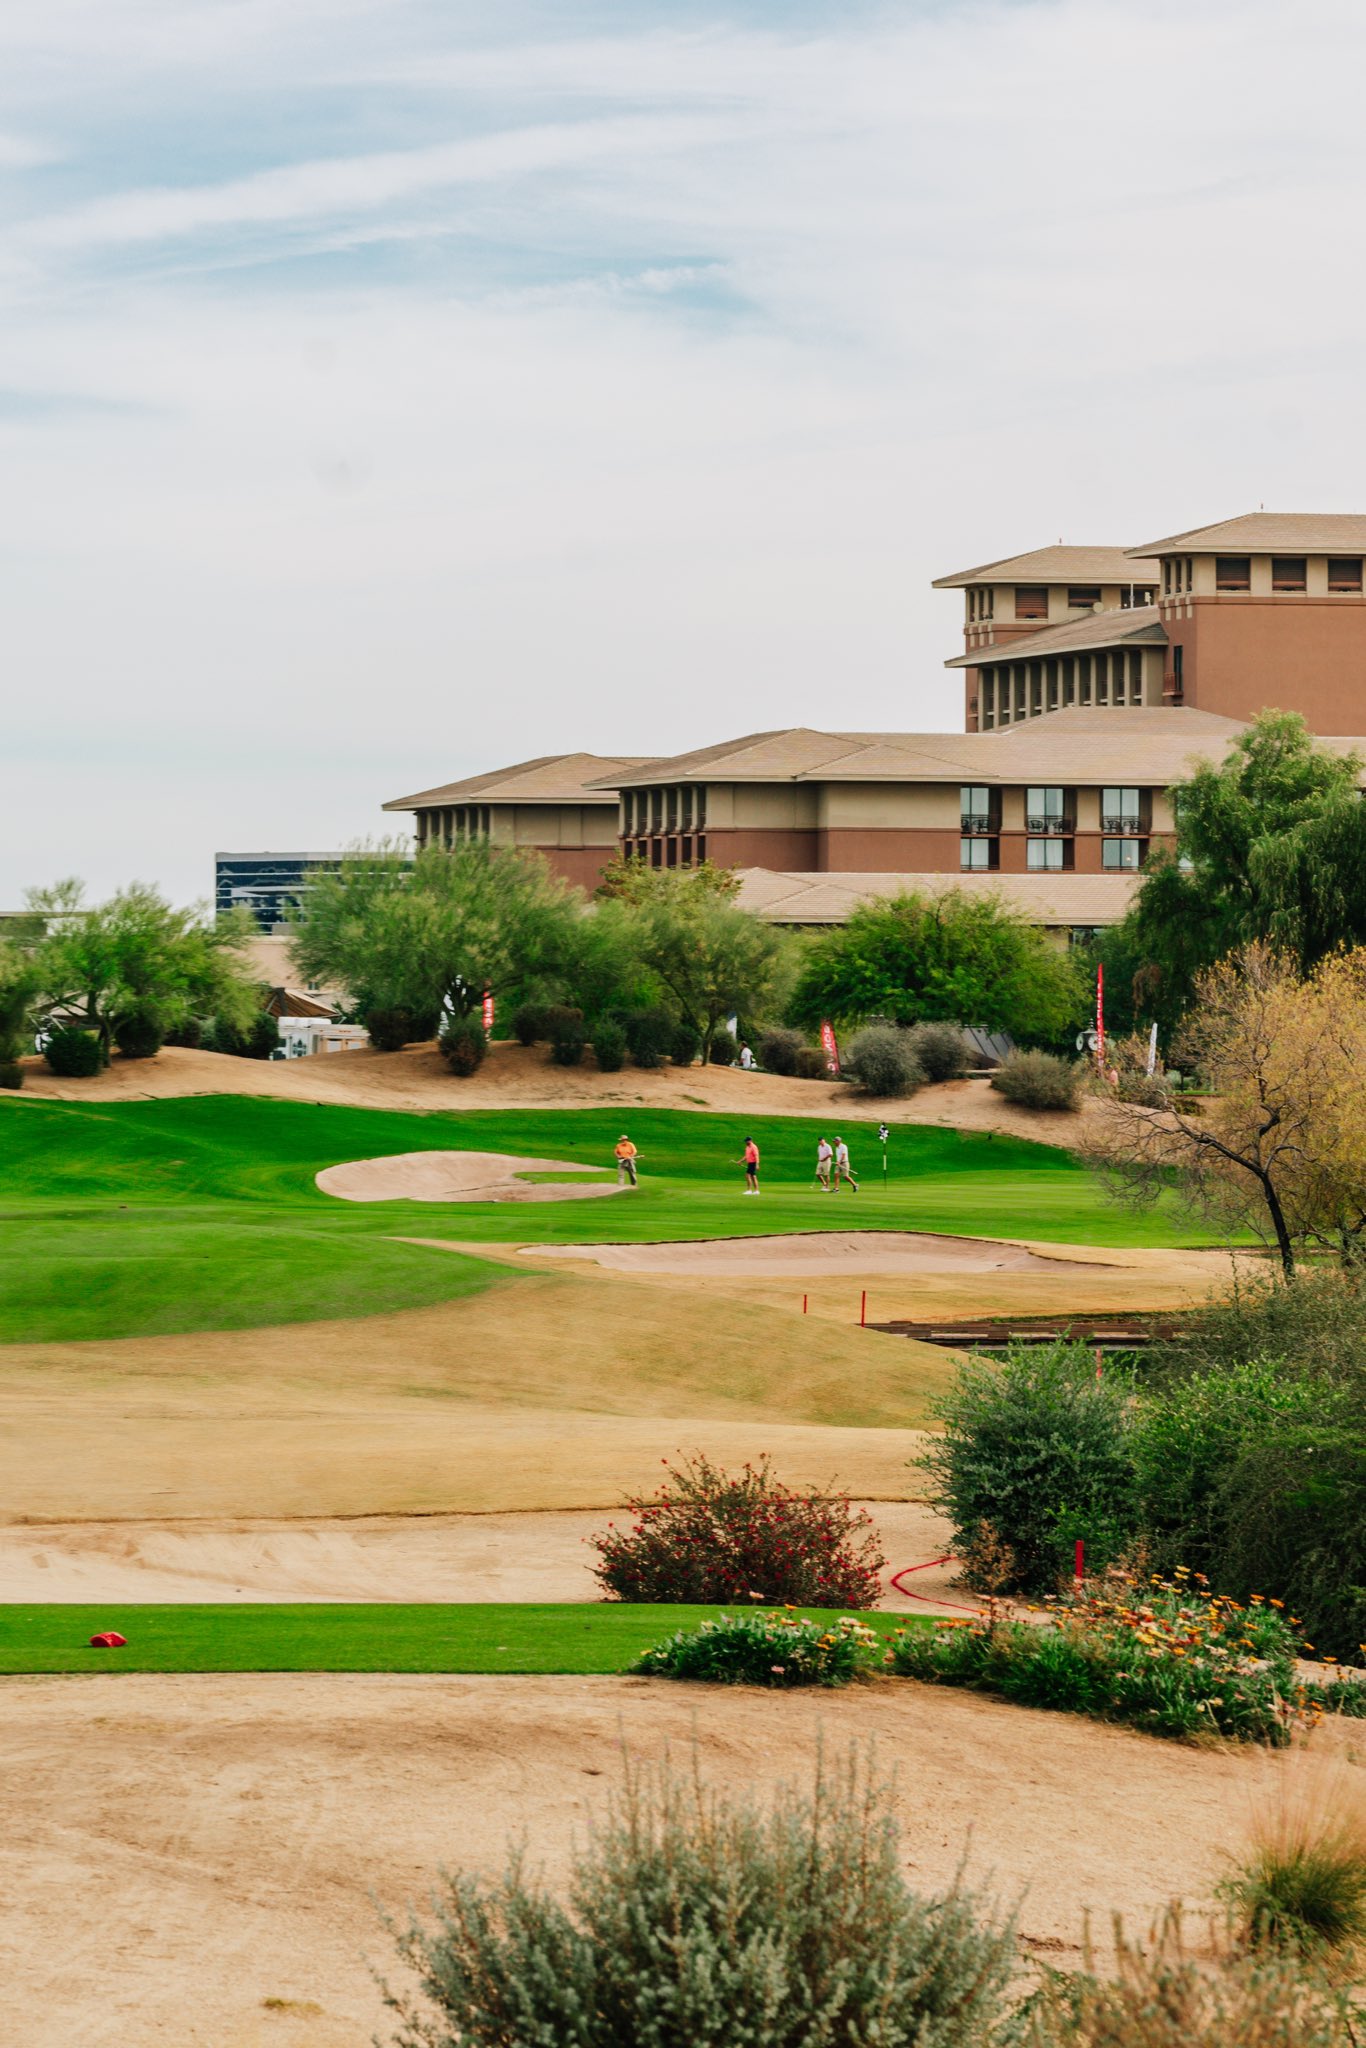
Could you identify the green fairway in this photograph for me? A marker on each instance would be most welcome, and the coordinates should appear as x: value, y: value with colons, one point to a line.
x: 201, y: 1213
x: 598, y: 1637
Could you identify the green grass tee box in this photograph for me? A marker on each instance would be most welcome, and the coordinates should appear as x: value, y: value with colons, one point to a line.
x: 596, y: 1637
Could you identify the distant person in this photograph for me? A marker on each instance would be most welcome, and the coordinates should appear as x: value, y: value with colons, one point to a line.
x: 746, y: 1059
x: 825, y: 1159
x: 626, y: 1162
x: 751, y: 1162
x: 843, y: 1170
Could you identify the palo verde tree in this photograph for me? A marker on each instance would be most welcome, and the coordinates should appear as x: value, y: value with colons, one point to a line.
x: 21, y: 981
x: 1281, y: 1146
x: 136, y: 965
x: 712, y: 959
x: 1270, y: 847
x: 954, y: 958
x: 434, y: 932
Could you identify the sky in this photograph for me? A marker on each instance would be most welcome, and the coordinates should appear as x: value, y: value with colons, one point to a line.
x: 392, y: 390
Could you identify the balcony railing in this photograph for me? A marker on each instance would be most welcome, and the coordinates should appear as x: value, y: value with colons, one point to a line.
x: 1121, y: 823
x: 1054, y: 827
x: 975, y: 826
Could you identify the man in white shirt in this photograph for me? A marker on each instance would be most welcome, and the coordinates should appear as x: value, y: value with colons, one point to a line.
x: 843, y: 1170
x: 824, y: 1159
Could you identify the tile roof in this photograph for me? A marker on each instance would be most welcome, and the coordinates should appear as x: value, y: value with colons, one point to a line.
x: 1051, y: 565
x: 1307, y: 533
x: 549, y: 779
x: 1115, y: 628
x: 1047, y: 899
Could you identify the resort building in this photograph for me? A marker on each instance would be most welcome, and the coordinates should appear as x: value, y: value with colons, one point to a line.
x: 1094, y: 678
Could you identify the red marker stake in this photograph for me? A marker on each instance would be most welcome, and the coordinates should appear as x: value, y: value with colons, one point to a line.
x: 803, y: 1304
x: 863, y: 1311
x: 1081, y: 1560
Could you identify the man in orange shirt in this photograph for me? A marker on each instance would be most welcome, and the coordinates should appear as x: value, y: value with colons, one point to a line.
x: 751, y: 1167
x: 626, y: 1162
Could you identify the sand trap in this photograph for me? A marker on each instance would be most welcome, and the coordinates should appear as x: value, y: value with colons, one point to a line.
x: 536, y: 1557
x: 816, y: 1253
x: 456, y: 1177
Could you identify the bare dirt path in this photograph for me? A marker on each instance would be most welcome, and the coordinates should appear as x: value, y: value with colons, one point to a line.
x: 516, y: 1077
x: 178, y: 1851
x: 531, y: 1557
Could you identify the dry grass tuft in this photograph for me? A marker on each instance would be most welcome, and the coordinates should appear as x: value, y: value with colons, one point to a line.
x: 1301, y: 1886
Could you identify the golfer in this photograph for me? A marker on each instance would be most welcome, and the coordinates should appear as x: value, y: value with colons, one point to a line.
x: 843, y: 1170
x: 824, y: 1160
x: 751, y: 1162
x: 626, y: 1162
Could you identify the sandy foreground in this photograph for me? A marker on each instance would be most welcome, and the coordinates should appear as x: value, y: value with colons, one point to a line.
x: 517, y: 1077
x: 180, y: 1851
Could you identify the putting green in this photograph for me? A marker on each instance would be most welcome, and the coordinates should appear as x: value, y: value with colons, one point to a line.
x: 202, y: 1213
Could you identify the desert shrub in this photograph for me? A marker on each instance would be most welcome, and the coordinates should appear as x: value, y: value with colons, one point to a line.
x: 73, y: 1054
x: 1149, y: 1091
x: 568, y: 1036
x: 708, y: 1536
x: 1163, y: 1998
x: 257, y: 1042
x: 609, y: 1046
x: 529, y: 1023
x: 1317, y: 1324
x: 766, y: 1649
x: 139, y: 1034
x: 650, y: 1036
x: 11, y: 1074
x: 694, y: 1917
x: 725, y: 1049
x: 1302, y: 1886
x: 393, y: 1025
x: 190, y: 1033
x: 1163, y: 1655
x: 463, y: 1045
x: 940, y: 1051
x: 809, y: 1064
x: 778, y: 1049
x: 1293, y: 1515
x: 879, y: 1061
x: 1034, y: 1446
x: 685, y: 1045
x: 1039, y: 1080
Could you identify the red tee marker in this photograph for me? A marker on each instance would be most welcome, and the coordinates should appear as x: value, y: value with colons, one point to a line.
x: 110, y: 1639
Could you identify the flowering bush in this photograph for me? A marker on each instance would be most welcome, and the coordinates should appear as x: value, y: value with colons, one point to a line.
x: 766, y: 1649
x: 1165, y: 1654
x: 710, y: 1537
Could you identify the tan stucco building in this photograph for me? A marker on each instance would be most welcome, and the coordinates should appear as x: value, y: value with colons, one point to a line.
x: 1094, y: 678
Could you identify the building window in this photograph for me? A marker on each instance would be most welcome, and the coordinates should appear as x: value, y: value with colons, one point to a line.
x: 980, y: 808
x: 1031, y: 603
x: 1046, y: 810
x: 1178, y: 672
x: 1288, y: 572
x: 1121, y: 810
x: 1143, y: 593
x: 1345, y: 574
x: 977, y: 853
x: 1233, y: 572
x: 1121, y: 853
x: 1084, y: 599
x: 1045, y: 853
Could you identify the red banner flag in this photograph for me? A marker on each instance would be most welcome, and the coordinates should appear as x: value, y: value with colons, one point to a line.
x: 829, y: 1047
x: 1100, y: 1017
x: 488, y: 1014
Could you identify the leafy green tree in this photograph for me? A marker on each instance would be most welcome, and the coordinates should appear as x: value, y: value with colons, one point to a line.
x: 953, y: 958
x: 21, y: 981
x: 633, y: 880
x: 437, y: 930
x: 1270, y: 846
x: 136, y: 957
x: 713, y: 959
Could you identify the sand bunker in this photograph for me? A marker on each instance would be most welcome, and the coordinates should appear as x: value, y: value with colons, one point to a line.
x: 816, y: 1253
x: 456, y: 1177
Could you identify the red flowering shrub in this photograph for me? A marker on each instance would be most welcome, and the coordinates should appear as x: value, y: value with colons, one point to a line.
x: 707, y: 1536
